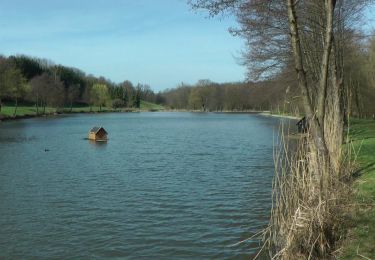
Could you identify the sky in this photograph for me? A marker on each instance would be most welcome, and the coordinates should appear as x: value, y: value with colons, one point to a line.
x: 157, y: 42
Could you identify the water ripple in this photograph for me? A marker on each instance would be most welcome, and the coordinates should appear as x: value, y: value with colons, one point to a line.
x: 167, y: 185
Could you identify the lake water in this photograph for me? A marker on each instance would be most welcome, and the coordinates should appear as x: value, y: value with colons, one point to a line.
x: 166, y: 185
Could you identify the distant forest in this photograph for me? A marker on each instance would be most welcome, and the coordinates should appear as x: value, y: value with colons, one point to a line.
x: 36, y: 81
x: 279, y: 92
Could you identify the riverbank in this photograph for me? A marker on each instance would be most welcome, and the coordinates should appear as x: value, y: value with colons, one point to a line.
x: 257, y: 112
x: 360, y: 243
x: 28, y: 112
x: 217, y: 111
x: 24, y: 112
x: 268, y: 113
x: 360, y: 239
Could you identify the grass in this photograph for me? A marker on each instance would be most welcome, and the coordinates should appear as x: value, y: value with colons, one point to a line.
x: 361, y: 240
x: 150, y: 106
x: 358, y: 207
x: 86, y: 109
x: 8, y: 110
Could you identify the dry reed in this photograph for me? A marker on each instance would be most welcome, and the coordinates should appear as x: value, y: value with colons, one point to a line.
x: 310, y: 199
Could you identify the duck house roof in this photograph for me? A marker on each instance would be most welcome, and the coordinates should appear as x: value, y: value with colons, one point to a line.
x: 96, y: 129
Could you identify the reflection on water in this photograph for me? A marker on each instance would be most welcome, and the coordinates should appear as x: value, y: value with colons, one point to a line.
x: 98, y: 145
x: 165, y: 185
x: 16, y: 139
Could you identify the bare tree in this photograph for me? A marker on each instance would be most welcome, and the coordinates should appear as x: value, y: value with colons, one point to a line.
x: 5, y: 79
x: 47, y: 90
x: 73, y: 94
x: 312, y: 33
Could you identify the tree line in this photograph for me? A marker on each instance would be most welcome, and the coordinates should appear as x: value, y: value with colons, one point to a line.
x: 206, y: 95
x: 40, y: 82
x: 279, y: 92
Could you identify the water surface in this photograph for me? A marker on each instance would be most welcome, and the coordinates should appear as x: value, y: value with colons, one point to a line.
x: 166, y: 185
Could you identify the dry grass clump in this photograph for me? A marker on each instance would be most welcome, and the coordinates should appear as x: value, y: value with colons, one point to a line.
x: 310, y: 199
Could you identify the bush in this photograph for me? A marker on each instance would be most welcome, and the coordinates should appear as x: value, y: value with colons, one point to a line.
x: 118, y: 103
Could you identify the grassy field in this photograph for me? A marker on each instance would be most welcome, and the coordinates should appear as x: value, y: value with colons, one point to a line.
x: 150, y: 106
x: 361, y: 241
x: 8, y: 111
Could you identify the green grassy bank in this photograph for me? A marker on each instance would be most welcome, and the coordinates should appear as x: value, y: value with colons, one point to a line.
x: 147, y: 106
x: 7, y: 111
x: 361, y: 239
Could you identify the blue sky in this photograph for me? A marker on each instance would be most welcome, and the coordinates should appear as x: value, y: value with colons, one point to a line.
x: 158, y: 42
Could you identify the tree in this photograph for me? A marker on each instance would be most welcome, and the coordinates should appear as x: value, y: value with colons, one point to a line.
x: 12, y: 82
x: 137, y: 97
x: 369, y: 91
x: 177, y: 98
x: 147, y: 94
x: 313, y: 35
x: 18, y: 87
x: 71, y: 78
x: 310, y: 32
x: 47, y: 90
x: 128, y: 93
x: 195, y: 99
x: 99, y: 94
x: 37, y: 86
x: 5, y: 72
x: 125, y: 97
x: 118, y: 103
x: 29, y: 67
x: 73, y: 94
x: 199, y: 96
x: 87, y: 94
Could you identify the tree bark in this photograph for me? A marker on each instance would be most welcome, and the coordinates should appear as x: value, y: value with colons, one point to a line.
x: 322, y: 90
x: 316, y: 129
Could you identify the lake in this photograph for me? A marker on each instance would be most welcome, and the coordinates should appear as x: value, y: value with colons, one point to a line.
x: 165, y: 185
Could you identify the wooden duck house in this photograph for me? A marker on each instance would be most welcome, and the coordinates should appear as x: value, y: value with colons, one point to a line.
x: 98, y: 134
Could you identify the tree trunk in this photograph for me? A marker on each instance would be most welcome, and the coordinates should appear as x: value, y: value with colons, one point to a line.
x: 37, y: 104
x: 1, y: 104
x: 316, y: 129
x: 357, y: 99
x: 15, y: 108
x: 322, y: 91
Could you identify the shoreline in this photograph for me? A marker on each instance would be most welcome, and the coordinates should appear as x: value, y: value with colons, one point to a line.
x: 4, y: 118
x: 268, y: 113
